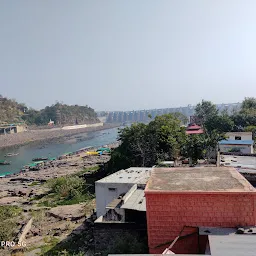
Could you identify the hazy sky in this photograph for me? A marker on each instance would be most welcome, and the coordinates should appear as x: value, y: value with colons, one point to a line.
x: 125, y: 55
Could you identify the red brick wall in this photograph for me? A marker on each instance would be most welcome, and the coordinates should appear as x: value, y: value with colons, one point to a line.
x: 167, y: 214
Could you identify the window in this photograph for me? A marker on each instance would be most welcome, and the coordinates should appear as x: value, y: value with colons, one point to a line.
x: 112, y: 189
x: 237, y: 137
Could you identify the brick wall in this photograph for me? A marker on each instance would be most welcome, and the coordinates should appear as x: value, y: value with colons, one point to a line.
x: 167, y: 214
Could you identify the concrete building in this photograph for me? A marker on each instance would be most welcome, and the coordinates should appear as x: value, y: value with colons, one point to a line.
x: 219, y: 242
x: 237, y: 142
x: 124, y: 215
x: 12, y: 128
x: 118, y: 184
x: 239, y: 135
x: 242, y: 146
x: 180, y: 200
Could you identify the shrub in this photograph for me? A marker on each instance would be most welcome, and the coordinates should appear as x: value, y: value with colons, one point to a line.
x: 127, y: 244
x: 8, y: 223
x: 67, y: 190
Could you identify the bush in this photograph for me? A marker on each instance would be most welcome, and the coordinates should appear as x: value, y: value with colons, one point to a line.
x: 8, y: 215
x: 67, y: 190
x: 127, y: 244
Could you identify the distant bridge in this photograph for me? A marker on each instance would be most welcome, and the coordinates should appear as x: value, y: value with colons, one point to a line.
x: 142, y: 115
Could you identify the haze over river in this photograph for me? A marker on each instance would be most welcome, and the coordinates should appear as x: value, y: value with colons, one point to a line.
x: 54, y: 149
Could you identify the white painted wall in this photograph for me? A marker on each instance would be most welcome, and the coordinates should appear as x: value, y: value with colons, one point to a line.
x: 104, y: 196
x: 247, y: 149
x: 243, y: 135
x: 81, y: 126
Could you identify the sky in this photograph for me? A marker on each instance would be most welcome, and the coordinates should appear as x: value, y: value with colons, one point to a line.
x: 119, y: 55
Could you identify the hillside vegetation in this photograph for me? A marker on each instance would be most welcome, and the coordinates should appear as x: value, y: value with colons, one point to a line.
x: 61, y: 114
x: 10, y: 110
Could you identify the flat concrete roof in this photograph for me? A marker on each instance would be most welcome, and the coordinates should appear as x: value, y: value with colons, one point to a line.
x: 133, y: 175
x: 238, y: 161
x: 233, y: 245
x: 198, y: 179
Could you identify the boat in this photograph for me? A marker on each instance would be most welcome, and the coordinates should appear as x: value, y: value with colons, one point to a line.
x: 3, y: 162
x: 104, y: 150
x: 11, y: 154
x: 2, y: 175
x: 40, y: 159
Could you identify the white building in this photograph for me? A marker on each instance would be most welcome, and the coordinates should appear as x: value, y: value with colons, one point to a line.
x: 239, y: 135
x: 237, y: 142
x: 116, y: 184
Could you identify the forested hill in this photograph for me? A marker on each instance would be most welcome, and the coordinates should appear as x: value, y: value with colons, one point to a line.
x: 10, y: 110
x: 61, y: 114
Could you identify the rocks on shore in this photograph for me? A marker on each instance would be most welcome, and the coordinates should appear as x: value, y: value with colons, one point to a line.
x: 68, y: 212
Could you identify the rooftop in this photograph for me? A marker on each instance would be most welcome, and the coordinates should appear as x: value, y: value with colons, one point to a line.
x: 236, y: 142
x: 242, y: 163
x: 239, y: 133
x: 225, y: 241
x: 198, y: 179
x: 132, y: 175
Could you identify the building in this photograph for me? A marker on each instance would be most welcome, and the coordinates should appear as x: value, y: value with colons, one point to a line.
x: 180, y: 200
x: 237, y: 142
x: 13, y: 128
x: 124, y: 207
x: 194, y: 129
x: 118, y: 184
x: 221, y: 242
x: 239, y: 135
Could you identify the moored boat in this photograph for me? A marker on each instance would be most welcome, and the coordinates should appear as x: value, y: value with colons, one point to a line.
x: 40, y: 159
x: 3, y: 162
x: 2, y: 175
x: 11, y: 154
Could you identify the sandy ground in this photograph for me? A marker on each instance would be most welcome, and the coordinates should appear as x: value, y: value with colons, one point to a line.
x: 10, y: 140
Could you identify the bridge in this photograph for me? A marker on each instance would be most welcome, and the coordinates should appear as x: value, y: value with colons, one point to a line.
x: 12, y: 128
x: 143, y: 115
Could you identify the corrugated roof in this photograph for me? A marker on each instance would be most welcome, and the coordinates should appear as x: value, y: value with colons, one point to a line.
x: 236, y: 142
x: 114, y: 204
x: 136, y: 201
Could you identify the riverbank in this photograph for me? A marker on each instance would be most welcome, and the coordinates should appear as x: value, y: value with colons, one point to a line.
x: 32, y: 136
x: 53, y: 221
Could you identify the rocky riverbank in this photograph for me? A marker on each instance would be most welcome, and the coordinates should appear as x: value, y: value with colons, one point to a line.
x: 57, y: 224
x: 17, y: 139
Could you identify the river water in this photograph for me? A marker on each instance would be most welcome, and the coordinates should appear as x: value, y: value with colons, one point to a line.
x: 54, y: 149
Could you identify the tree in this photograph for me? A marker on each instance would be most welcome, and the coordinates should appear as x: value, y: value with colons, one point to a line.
x: 205, y: 110
x: 181, y: 117
x: 246, y: 116
x: 194, y: 147
x: 221, y: 123
x: 248, y: 103
x: 251, y: 129
x: 145, y: 145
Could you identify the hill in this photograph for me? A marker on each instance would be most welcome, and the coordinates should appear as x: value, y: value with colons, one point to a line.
x: 10, y: 110
x: 62, y: 114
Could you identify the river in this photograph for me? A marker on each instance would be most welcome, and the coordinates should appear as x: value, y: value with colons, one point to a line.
x: 73, y: 143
